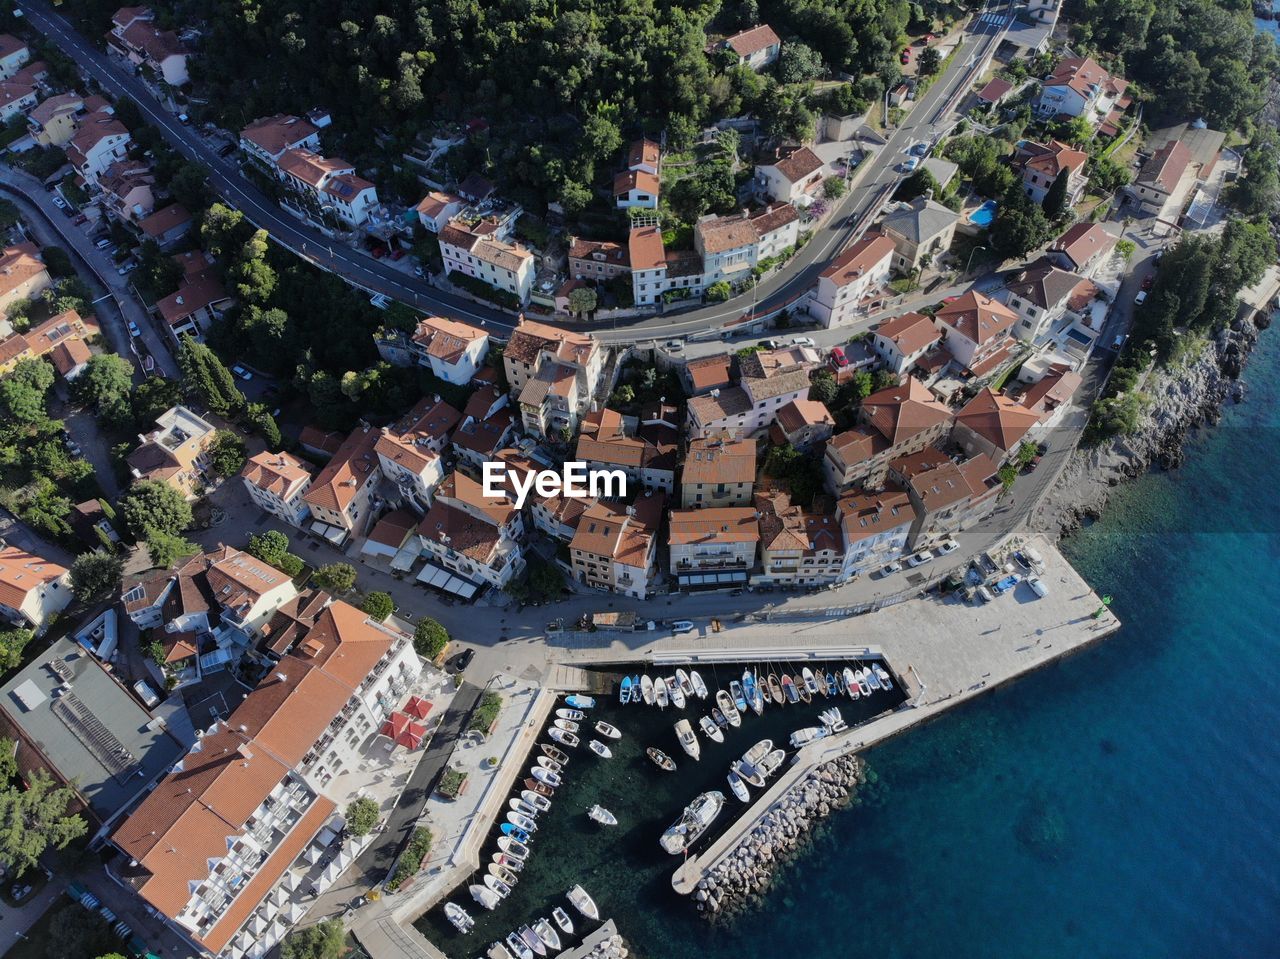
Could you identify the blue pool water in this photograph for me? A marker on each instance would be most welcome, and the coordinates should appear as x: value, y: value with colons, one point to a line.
x: 984, y: 214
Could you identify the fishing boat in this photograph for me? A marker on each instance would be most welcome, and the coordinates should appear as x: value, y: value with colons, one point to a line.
x: 564, y: 738
x: 485, y: 896
x: 507, y: 862
x: 513, y: 847
x: 699, y: 687
x: 541, y: 789
x: 739, y: 700
x: 503, y: 875
x: 661, y: 759
x: 559, y: 755
x: 530, y: 939
x: 872, y: 679
x: 549, y: 764
x: 598, y: 813
x: 636, y: 698
x: 580, y: 702
x: 518, y: 947
x: 727, y: 709
x: 802, y: 690
x: 688, y: 741
x: 547, y: 934
x: 769, y: 765
x: 832, y: 688
x: 607, y: 731
x: 460, y: 918
x: 660, y: 693
x: 568, y: 725
x: 775, y: 689
x: 686, y: 686
x: 851, y: 683
x: 624, y: 690
x: 572, y: 715
x: 580, y: 901
x: 863, y: 686
x: 498, y: 886
x: 562, y: 920
x: 513, y: 832
x: 789, y: 689
x: 739, y: 787
x: 718, y: 717
x: 802, y: 737
x: 746, y: 766
x: 693, y: 822
x: 600, y: 749
x: 523, y: 808
x: 810, y: 683
x: 885, y: 680
x: 677, y: 693
x: 546, y: 777
x: 749, y: 688
x: 841, y: 686
x: 646, y: 690
x: 521, y: 821
x: 710, y: 729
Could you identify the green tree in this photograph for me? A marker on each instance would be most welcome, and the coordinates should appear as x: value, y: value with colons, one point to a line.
x: 77, y: 931
x: 1018, y: 228
x: 260, y: 418
x: 152, y: 397
x: 335, y: 577
x: 929, y: 62
x: 834, y: 187
x: 154, y: 507
x: 1055, y: 200
x: 719, y: 291
x: 1106, y: 175
x: 95, y: 576
x: 324, y: 940
x: 222, y: 231
x: 205, y: 375
x: 12, y: 643
x: 582, y: 300
x: 270, y: 546
x: 253, y: 277
x: 22, y: 392
x: 35, y: 819
x: 165, y: 549
x: 227, y: 453
x: 378, y: 605
x: 430, y: 638
x: 823, y: 387
x: 799, y: 63
x: 362, y: 815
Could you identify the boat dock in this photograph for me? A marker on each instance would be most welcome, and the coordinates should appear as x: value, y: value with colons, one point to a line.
x: 598, y: 940
x: 948, y: 652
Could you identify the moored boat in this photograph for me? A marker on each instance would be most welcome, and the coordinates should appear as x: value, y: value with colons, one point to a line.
x: 540, y: 803
x: 832, y: 688
x: 660, y: 695
x: 564, y: 738
x: 802, y: 690
x: 863, y: 686
x: 693, y: 822
x: 775, y: 689
x: 624, y: 690
x: 676, y: 692
x: 513, y: 847
x: 739, y: 700
x: 646, y: 690
x: 497, y: 885
x: 752, y: 691
x: 549, y: 764
x: 582, y: 902
x: 573, y: 715
x: 851, y: 683
x: 503, y: 875
x: 540, y: 788
x: 719, y: 717
x: 485, y: 896
x: 498, y: 950
x: 739, y: 787
x: 600, y: 749
x: 517, y: 946
x: 661, y: 759
x: 530, y: 939
x: 885, y: 680
x: 727, y: 709
x: 559, y: 755
x: 460, y: 918
x: 699, y: 687
x: 747, y: 766
x: 609, y: 732
x: 562, y: 920
x: 521, y: 821
x: 789, y: 689
x: 523, y: 808
x: 507, y: 862
x: 710, y: 729
x: 769, y: 765
x: 802, y: 737
x: 548, y: 935
x: 688, y: 741
x: 580, y: 702
x: 568, y: 725
x: 686, y: 686
x: 810, y: 683
x: 841, y: 687
x: 872, y: 679
x: 598, y: 813
x: 513, y: 832
x: 546, y: 777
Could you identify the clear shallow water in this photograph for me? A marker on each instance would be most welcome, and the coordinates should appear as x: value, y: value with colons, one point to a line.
x: 1125, y: 802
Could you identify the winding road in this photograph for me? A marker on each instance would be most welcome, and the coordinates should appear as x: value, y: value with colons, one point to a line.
x: 925, y: 122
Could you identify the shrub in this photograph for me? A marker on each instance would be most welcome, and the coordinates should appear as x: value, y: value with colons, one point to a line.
x: 486, y: 713
x: 412, y: 857
x: 336, y: 577
x: 451, y: 783
x: 362, y: 815
x: 430, y: 638
x: 378, y: 605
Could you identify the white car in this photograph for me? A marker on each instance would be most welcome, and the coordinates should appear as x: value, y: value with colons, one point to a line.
x: 1037, y: 586
x: 894, y: 567
x: 133, y: 329
x: 58, y: 201
x: 1140, y: 298
x: 802, y: 341
x: 920, y: 558
x: 947, y: 546
x: 682, y: 626
x: 673, y: 346
x: 909, y: 164
x: 984, y: 594
x: 241, y: 372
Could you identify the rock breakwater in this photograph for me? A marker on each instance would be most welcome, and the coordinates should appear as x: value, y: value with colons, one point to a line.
x: 746, y: 872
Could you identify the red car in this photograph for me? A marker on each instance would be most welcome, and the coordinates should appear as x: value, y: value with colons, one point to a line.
x: 1148, y: 281
x: 838, y: 359
x: 905, y: 56
x: 397, y: 253
x: 81, y: 219
x: 379, y: 252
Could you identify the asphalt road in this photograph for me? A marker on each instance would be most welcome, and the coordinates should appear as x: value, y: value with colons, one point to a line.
x: 923, y: 123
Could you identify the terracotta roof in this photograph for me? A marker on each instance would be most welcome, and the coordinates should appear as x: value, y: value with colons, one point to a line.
x: 238, y: 580
x: 598, y: 250
x: 164, y: 220
x: 1166, y: 167
x: 901, y: 412
x: 15, y: 91
x: 158, y: 44
x: 19, y: 264
x: 1043, y: 284
x: 435, y: 203
x: 977, y: 317
x: 856, y: 445
x: 1083, y: 241
x: 723, y: 233
x: 995, y: 90
x: 336, y: 485
x: 347, y: 186
x: 772, y: 218
x: 709, y: 372
x: 413, y: 439
x: 461, y: 487
x: 70, y: 355
x: 864, y: 256
x: 9, y: 45
x: 192, y: 297
x: 1083, y: 74
x: 714, y: 460
x: 777, y: 384
x: 394, y: 528
x: 736, y: 524
x: 93, y: 130
x: 642, y: 180
x: 1052, y: 390
x: 603, y: 440
x: 863, y: 515
x: 507, y: 256
x: 311, y: 168
x: 798, y: 164
x: 784, y: 526
x: 530, y: 339
x: 730, y: 402
x: 278, y: 133
x: 278, y: 473
x: 751, y: 41
x: 997, y: 419
x: 1054, y: 158
x: 465, y: 533
x: 328, y: 441
x: 645, y: 249
x: 446, y: 339
x: 451, y: 235
x: 643, y: 151
x: 798, y: 414
x: 909, y: 333
x: 56, y: 105
x: 483, y: 432
x: 21, y: 572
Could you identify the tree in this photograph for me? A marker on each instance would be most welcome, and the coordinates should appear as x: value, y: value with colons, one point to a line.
x: 430, y: 638
x: 154, y: 507
x: 77, y: 931
x: 1019, y: 228
x: 95, y: 576
x: 719, y: 291
x: 1055, y: 200
x: 226, y: 453
x: 335, y: 577
x: 362, y: 815
x: 324, y: 940
x: 1126, y: 249
x: 34, y: 819
x: 799, y: 63
x: 378, y: 605
x: 929, y: 62
x: 222, y: 231
x: 12, y: 643
x: 1106, y: 175
x: 270, y: 547
x: 205, y: 375
x: 165, y: 549
x: 9, y: 215
x: 582, y: 300
x: 152, y: 397
x: 253, y: 277
x: 260, y: 418
x: 823, y: 387
x: 834, y: 187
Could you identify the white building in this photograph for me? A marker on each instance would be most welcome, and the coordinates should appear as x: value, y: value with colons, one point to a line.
x: 790, y: 178
x: 853, y: 282
x: 756, y: 48
x: 409, y: 451
x: 471, y: 537
x: 100, y: 141
x: 875, y: 528
x: 31, y: 588
x: 1079, y: 86
x: 135, y: 37
x: 268, y: 138
x: 276, y: 482
x: 452, y: 350
x: 477, y: 251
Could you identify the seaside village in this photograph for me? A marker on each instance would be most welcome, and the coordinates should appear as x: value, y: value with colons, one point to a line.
x: 271, y: 725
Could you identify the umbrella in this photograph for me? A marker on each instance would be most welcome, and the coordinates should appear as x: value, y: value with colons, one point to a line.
x: 412, y: 735
x: 331, y: 873
x: 394, y: 724
x: 314, y: 853
x: 292, y: 880
x: 344, y: 859
x: 418, y: 707
x: 280, y: 895
x: 275, y: 933
x: 295, y: 911
x: 258, y: 925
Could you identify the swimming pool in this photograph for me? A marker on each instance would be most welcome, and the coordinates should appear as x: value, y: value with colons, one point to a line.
x: 984, y: 214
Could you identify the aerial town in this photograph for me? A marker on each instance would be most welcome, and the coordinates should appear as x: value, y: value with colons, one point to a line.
x: 379, y: 535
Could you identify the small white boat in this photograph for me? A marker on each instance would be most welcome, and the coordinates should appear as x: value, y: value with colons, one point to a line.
x: 693, y: 822
x: 485, y: 896
x: 739, y: 698
x: 565, y: 739
x: 607, y: 731
x: 580, y: 901
x: 885, y: 680
x: 517, y: 946
x: 460, y: 918
x: 699, y: 687
x: 739, y: 787
x: 498, y: 886
x: 802, y: 737
x: 530, y: 939
x: 507, y: 862
x: 559, y: 755
x: 851, y: 682
x: 521, y: 821
x: 686, y: 686
x: 573, y: 715
x: 660, y: 695
x: 688, y: 741
x: 810, y: 683
x: 568, y: 725
x: 646, y: 690
x: 624, y: 690
x: 728, y: 709
x: 580, y: 702
x: 748, y: 766
x: 540, y: 803
x: 834, y: 722
x: 549, y: 764
x: 872, y: 679
x: 863, y: 686
x: 598, y: 813
x: 710, y: 729
x: 548, y: 935
x: 546, y: 777
x: 513, y: 847
x: 769, y: 765
x: 499, y: 951
x: 562, y: 920
x: 523, y: 808
x: 600, y: 749
x: 677, y: 693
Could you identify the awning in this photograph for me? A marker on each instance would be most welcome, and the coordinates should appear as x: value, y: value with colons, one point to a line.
x: 440, y: 578
x: 334, y: 534
x: 314, y: 853
x: 295, y: 911
x: 712, y: 580
x: 258, y: 924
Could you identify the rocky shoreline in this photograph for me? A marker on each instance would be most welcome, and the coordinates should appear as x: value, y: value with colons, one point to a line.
x: 1182, y: 400
x: 746, y: 873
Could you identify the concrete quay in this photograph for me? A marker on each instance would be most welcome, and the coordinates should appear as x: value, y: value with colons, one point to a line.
x: 948, y: 653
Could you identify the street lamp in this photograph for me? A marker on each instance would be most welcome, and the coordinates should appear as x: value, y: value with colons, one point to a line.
x: 969, y: 262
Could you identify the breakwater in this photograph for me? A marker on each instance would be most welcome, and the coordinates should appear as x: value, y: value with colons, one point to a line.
x: 746, y: 872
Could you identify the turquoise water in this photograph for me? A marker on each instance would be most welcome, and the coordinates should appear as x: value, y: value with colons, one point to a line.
x: 984, y: 214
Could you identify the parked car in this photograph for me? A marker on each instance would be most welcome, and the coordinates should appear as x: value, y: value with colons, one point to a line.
x: 241, y: 372
x: 463, y: 660
x: 1006, y: 584
x: 838, y: 359
x: 947, y: 546
x: 59, y: 202
x: 920, y: 558
x: 894, y: 567
x: 1140, y: 298
x: 227, y: 150
x: 905, y: 56
x: 673, y: 346
x: 682, y: 626
x: 919, y: 149
x: 133, y: 329
x: 803, y: 341
x: 1148, y: 281
x: 983, y: 594
x: 146, y: 693
x: 1118, y: 342
x: 103, y: 243
x: 80, y: 220
x: 128, y: 266
x: 770, y: 344
x: 909, y: 164
x: 1037, y: 586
